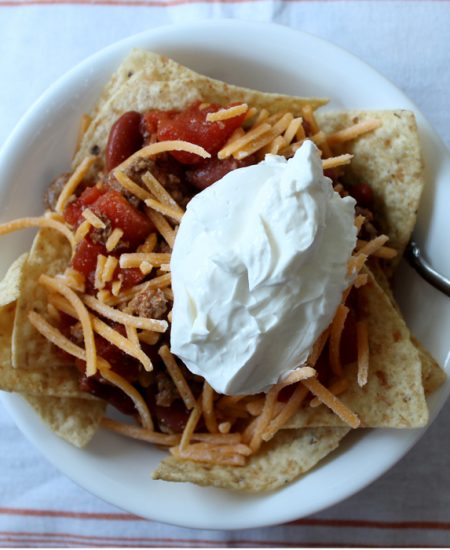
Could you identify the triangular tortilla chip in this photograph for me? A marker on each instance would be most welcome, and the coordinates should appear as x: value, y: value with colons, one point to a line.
x: 75, y: 420
x: 433, y: 375
x: 388, y: 159
x: 9, y: 285
x: 49, y: 254
x: 42, y: 372
x: 161, y: 83
x: 288, y: 455
x: 394, y: 395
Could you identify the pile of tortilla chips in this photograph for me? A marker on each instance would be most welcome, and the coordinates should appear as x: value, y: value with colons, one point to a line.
x: 401, y: 371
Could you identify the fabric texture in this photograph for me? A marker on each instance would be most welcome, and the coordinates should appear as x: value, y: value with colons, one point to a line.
x: 407, y: 41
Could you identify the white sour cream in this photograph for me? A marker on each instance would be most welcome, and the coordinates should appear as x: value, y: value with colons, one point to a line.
x: 258, y: 269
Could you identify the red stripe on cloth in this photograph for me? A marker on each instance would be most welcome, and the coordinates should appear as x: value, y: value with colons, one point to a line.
x: 356, y: 523
x: 66, y: 514
x: 436, y: 525
x: 176, y: 543
x: 225, y: 544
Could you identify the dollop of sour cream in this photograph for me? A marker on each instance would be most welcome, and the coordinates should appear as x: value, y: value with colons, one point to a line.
x: 258, y: 269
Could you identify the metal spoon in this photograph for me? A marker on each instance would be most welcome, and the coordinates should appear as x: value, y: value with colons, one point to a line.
x: 424, y: 269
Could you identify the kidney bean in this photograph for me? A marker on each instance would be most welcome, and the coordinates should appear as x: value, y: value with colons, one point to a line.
x: 124, y: 139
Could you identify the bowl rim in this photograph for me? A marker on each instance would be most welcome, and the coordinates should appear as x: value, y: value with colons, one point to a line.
x: 8, y: 155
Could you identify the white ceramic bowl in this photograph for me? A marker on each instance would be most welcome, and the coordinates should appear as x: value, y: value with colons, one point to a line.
x: 259, y: 56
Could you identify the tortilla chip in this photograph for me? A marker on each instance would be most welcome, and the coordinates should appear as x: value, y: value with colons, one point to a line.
x: 75, y: 420
x: 433, y: 375
x: 394, y: 395
x: 6, y: 323
x: 9, y: 286
x: 49, y: 254
x: 388, y: 159
x: 62, y: 382
x: 288, y: 455
x: 149, y: 81
x: 32, y: 380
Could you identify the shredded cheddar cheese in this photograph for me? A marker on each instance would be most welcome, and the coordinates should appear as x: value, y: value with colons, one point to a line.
x: 74, y: 181
x: 225, y: 114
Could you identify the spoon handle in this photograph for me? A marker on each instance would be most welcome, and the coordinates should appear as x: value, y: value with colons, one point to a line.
x: 424, y: 269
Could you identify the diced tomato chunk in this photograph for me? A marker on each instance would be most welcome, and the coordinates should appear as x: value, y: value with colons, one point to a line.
x: 191, y: 125
x: 85, y: 260
x: 173, y: 418
x: 73, y: 211
x: 130, y: 276
x: 135, y: 225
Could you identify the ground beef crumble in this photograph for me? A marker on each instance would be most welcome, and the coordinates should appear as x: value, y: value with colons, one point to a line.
x: 167, y: 392
x: 150, y: 303
x: 54, y: 190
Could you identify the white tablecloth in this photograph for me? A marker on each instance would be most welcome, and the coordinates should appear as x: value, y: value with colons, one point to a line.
x: 409, y: 43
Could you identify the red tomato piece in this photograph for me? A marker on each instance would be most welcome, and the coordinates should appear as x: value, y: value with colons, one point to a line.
x: 174, y: 417
x: 135, y: 225
x: 191, y: 125
x: 129, y: 276
x: 73, y: 211
x: 85, y: 260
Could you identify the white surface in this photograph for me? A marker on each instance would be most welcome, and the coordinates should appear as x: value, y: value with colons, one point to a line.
x: 118, y: 471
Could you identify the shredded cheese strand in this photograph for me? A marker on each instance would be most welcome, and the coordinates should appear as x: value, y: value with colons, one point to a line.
x: 286, y: 413
x: 318, y: 346
x: 385, y: 252
x: 301, y: 373
x: 83, y: 316
x: 191, y: 424
x: 123, y: 318
x: 53, y: 335
x: 114, y: 239
x: 105, y: 331
x: 362, y: 341
x: 164, y: 209
x: 142, y: 434
x: 160, y: 192
x: 263, y: 419
x: 93, y: 219
x: 25, y: 223
x: 177, y: 376
x: 337, y: 327
x: 225, y: 114
x: 353, y: 132
x: 334, y: 162
x: 332, y: 402
x: 163, y: 147
x: 162, y: 225
x: 208, y: 408
x: 134, y: 259
x: 337, y: 388
x: 73, y: 182
x: 128, y: 184
x: 141, y: 406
